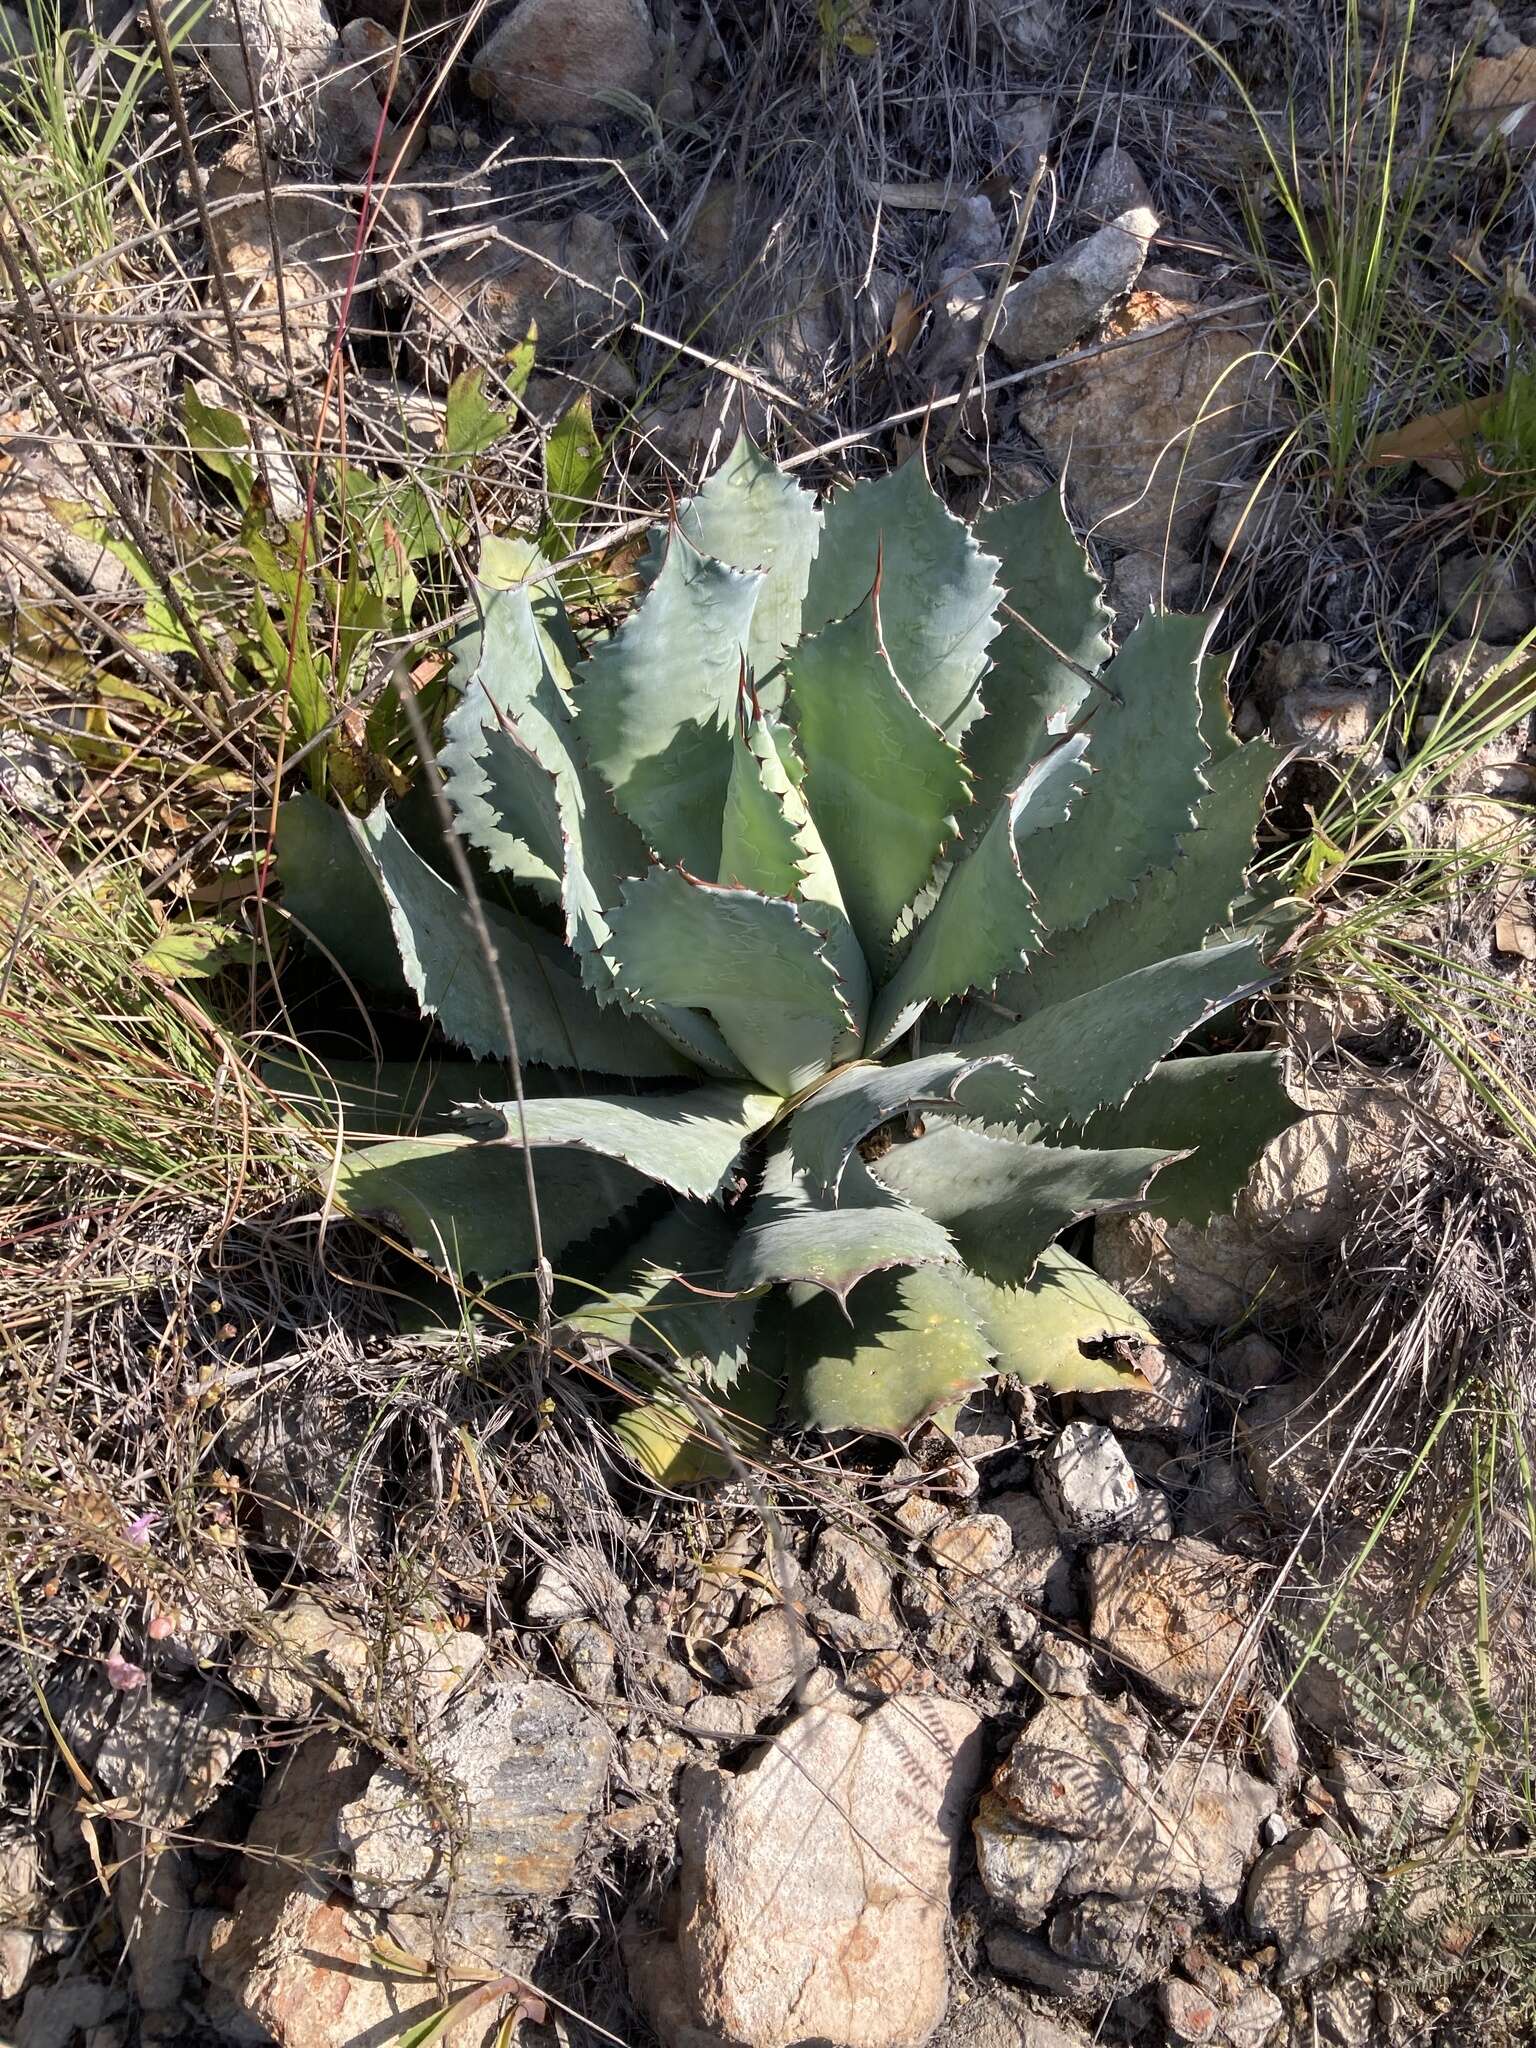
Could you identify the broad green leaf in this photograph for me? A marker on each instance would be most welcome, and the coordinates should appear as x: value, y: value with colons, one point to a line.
x: 196, y: 950
x: 1223, y: 1109
x: 1035, y: 688
x: 668, y: 1439
x: 1039, y: 1331
x: 750, y: 960
x: 1175, y: 907
x: 1004, y: 1199
x: 769, y: 842
x: 517, y: 777
x: 1146, y: 754
x: 824, y: 1130
x: 471, y: 424
x: 667, y: 1298
x: 332, y: 894
x: 556, y: 1019
x: 517, y: 364
x: 573, y: 472
x: 1215, y: 717
x: 882, y: 782
x: 1089, y: 1052
x: 938, y: 609
x: 911, y: 1344
x: 463, y: 1202
x: 221, y: 442
x: 388, y: 1098
x: 657, y: 701
x: 985, y: 921
x: 751, y: 515
x: 688, y: 1142
x: 792, y: 1238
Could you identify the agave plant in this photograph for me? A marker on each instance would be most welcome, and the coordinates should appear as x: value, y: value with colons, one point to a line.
x: 845, y: 905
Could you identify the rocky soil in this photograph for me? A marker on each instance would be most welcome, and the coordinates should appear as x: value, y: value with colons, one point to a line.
x: 993, y: 1739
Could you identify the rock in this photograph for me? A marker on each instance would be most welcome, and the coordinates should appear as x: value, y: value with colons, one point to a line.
x: 769, y: 1654
x: 1289, y: 1444
x: 567, y: 278
x: 1027, y: 29
x: 163, y: 1755
x: 588, y: 1655
x: 805, y: 1912
x: 1151, y: 580
x: 1147, y: 433
x: 553, y: 61
x: 1085, y: 1480
x: 1279, y: 1746
x: 39, y: 464
x: 1311, y: 1183
x: 1187, y: 2013
x: 848, y: 1573
x: 1101, y: 1934
x: 1063, y: 1666
x: 1024, y: 128
x: 56, y: 2015
x: 1248, y: 1363
x: 1042, y: 1566
x: 527, y: 1761
x: 291, y: 1962
x: 1344, y: 2015
x: 1172, y: 1409
x: 1467, y: 673
x: 1174, y: 1613
x: 582, y: 1583
x: 1028, y: 1960
x: 954, y: 328
x: 21, y: 1911
x: 1250, y: 2022
x: 150, y: 1892
x: 1246, y: 513
x: 317, y: 97
x: 305, y: 1658
x: 1487, y: 599
x: 308, y: 1473
x: 1307, y: 1896
x: 996, y: 2017
x: 1077, y: 1771
x: 1045, y: 313
x: 1325, y: 724
x: 1210, y: 1276
x: 970, y: 1549
x: 973, y: 238
x: 290, y: 46
x: 1114, y: 187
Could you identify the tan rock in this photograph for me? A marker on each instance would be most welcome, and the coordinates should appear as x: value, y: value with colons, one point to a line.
x: 1307, y: 1895
x: 305, y: 1657
x: 559, y: 60
x: 1210, y: 1276
x: 1175, y: 1614
x: 1148, y: 432
x: 1311, y: 1182
x: 814, y: 1887
x: 565, y: 278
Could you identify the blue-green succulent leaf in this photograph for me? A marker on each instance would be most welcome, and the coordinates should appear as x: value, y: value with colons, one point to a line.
x: 1003, y: 1199
x: 656, y: 704
x: 939, y: 593
x: 751, y: 961
x: 1036, y: 685
x: 882, y: 782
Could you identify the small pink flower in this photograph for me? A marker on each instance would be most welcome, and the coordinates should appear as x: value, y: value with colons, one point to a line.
x: 123, y: 1676
x: 138, y: 1529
